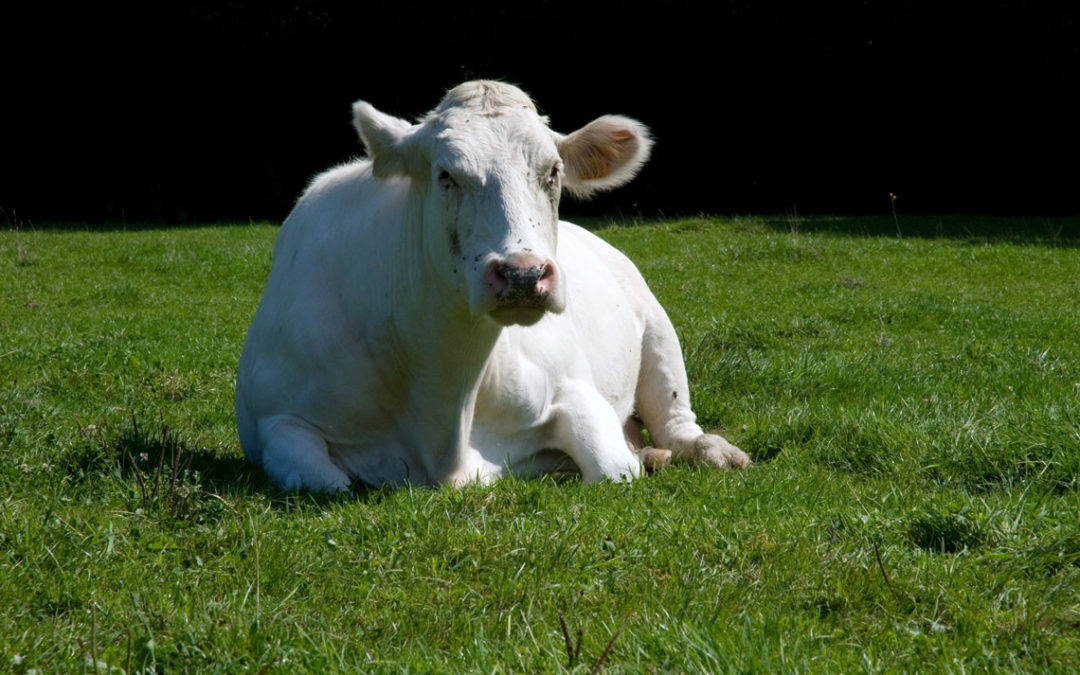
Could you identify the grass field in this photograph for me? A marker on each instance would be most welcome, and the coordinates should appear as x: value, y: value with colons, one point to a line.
x: 909, y: 389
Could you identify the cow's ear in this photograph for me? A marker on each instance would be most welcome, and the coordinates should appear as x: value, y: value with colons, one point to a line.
x: 603, y: 154
x: 390, y: 142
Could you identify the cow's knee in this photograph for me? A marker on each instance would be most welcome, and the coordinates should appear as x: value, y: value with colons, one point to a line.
x: 475, y: 469
x: 296, y: 457
x: 589, y: 431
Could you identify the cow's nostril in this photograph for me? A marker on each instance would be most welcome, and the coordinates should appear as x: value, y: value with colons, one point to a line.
x: 522, y: 279
x: 496, y: 277
x: 546, y: 282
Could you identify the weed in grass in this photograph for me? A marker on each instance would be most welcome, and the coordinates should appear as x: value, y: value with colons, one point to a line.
x: 573, y: 647
x: 794, y: 220
x: 22, y: 255
x: 170, y: 485
x: 173, y: 385
x: 892, y: 206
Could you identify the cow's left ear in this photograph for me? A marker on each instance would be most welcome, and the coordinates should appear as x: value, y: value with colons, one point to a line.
x: 390, y: 142
x: 603, y: 154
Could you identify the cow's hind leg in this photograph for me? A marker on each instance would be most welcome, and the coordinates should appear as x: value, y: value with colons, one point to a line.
x: 663, y: 401
x: 296, y: 456
x: 653, y: 459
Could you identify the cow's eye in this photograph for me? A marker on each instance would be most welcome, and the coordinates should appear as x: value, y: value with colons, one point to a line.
x: 446, y: 181
x: 552, y: 179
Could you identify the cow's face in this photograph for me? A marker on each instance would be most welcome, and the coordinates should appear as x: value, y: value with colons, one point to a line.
x: 490, y: 173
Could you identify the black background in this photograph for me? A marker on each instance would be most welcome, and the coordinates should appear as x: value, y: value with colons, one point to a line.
x: 210, y: 111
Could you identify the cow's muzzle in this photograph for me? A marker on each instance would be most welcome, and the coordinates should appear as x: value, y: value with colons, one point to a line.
x: 522, y: 282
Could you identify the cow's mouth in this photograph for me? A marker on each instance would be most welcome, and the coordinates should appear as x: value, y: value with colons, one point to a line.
x: 520, y: 315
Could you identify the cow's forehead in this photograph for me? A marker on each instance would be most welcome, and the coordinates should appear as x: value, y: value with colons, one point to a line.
x: 477, y: 142
x: 480, y: 123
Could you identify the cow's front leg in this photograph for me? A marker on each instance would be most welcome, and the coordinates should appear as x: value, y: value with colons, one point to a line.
x: 587, y: 429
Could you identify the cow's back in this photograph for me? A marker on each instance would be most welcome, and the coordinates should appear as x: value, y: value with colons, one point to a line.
x: 302, y: 332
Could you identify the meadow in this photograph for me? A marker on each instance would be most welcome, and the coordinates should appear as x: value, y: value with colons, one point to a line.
x: 909, y: 389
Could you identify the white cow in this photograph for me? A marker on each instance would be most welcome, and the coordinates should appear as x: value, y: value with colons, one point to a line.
x: 420, y: 325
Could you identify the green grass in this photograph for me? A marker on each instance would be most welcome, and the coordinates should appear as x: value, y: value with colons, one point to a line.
x: 912, y: 402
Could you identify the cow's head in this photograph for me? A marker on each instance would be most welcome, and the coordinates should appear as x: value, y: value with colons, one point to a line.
x: 491, y: 172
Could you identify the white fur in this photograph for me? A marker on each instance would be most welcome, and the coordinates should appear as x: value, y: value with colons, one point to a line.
x: 380, y: 352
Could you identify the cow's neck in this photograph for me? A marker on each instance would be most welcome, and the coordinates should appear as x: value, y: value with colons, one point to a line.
x: 443, y: 351
x: 446, y: 369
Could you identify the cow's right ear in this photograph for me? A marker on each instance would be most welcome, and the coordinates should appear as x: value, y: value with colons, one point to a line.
x: 390, y: 142
x: 603, y: 154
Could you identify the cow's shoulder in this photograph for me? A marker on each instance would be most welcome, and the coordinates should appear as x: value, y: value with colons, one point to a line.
x: 594, y: 256
x: 341, y: 205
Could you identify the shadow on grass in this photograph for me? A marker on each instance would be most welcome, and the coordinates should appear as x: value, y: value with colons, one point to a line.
x: 165, y: 474
x: 172, y: 477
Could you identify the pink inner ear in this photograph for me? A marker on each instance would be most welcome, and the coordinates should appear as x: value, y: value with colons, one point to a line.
x: 604, y: 153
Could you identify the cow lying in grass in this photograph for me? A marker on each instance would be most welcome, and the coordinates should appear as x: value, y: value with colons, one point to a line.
x: 429, y: 319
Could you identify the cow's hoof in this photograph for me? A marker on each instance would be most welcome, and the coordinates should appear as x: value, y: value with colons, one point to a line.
x: 654, y: 459
x: 714, y: 451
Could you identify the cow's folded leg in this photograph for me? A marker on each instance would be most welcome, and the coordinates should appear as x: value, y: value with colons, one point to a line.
x: 587, y: 429
x: 296, y: 456
x: 663, y: 402
x: 689, y: 444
